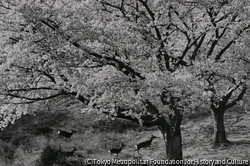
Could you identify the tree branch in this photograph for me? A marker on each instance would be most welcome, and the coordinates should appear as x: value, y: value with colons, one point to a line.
x: 33, y: 99
x: 198, y: 47
x: 79, y: 97
x: 147, y: 120
x: 159, y: 38
x: 119, y: 65
x: 218, y: 56
x: 234, y: 102
x: 211, y: 12
x: 150, y: 12
x: 31, y: 89
x: 49, y: 25
x: 113, y: 6
x: 223, y: 17
x: 245, y: 60
x: 5, y: 7
x: 40, y: 71
x: 187, y: 48
x: 121, y: 8
x: 215, y: 42
x: 212, y: 48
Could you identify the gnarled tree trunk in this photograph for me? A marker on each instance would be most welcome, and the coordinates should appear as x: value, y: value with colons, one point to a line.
x: 172, y: 137
x: 170, y: 129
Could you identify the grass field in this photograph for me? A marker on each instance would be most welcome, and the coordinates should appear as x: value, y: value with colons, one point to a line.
x: 22, y: 145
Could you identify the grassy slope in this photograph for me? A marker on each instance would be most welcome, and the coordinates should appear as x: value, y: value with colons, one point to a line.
x: 21, y: 145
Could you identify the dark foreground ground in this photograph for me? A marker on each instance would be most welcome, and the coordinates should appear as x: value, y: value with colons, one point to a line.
x: 23, y: 143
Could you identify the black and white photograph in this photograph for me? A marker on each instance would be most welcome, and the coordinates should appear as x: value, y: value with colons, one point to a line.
x: 124, y: 82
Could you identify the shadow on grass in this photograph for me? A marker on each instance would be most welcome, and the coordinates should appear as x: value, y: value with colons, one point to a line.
x: 29, y: 125
x: 229, y: 144
x: 241, y: 142
x: 118, y: 126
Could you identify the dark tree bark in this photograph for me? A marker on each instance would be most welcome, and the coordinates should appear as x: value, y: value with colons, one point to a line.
x: 218, y: 110
x: 174, y: 145
x: 171, y: 130
x: 172, y: 139
x: 219, y: 128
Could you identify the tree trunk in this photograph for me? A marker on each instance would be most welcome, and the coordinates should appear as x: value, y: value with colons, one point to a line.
x: 219, y: 128
x: 174, y: 146
x: 172, y: 139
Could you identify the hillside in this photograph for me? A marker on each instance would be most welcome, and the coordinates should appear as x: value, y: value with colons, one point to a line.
x: 22, y: 143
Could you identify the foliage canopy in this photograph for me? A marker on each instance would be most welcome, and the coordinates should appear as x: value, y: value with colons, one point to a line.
x: 115, y: 55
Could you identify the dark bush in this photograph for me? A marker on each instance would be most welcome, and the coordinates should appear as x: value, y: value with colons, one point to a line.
x: 52, y: 156
x: 49, y: 156
x: 7, y: 152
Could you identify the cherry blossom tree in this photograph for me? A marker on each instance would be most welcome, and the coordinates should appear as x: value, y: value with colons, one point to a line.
x: 133, y: 59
